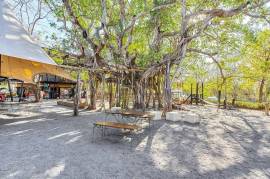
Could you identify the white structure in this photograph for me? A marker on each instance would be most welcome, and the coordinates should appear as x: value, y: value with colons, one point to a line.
x: 183, y: 116
x: 20, y: 56
x: 15, y: 40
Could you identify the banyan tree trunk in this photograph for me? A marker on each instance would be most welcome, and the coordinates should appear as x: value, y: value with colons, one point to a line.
x: 139, y: 96
x: 110, y: 95
x: 36, y: 90
x: 92, y: 89
x: 167, y: 90
x: 150, y: 92
x: 77, y: 96
x: 156, y: 87
x: 117, y: 94
x: 154, y: 101
x: 37, y: 93
x: 159, y: 93
x: 124, y: 98
x: 148, y: 98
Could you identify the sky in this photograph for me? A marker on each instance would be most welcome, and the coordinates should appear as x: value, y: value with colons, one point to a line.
x: 43, y: 27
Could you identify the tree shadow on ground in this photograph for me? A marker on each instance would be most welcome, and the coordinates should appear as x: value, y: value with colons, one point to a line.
x: 217, y: 148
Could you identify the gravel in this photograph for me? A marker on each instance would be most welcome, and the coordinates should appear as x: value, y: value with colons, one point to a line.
x: 45, y: 141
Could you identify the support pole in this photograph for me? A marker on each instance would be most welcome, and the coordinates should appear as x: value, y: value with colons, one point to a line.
x: 21, y: 92
x: 219, y: 96
x: 197, y: 93
x: 10, y: 91
x: 37, y: 92
x: 191, y: 95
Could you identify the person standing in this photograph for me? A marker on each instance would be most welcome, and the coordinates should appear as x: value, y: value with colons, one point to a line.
x: 41, y: 95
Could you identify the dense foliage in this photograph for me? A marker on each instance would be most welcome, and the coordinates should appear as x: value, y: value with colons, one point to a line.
x: 224, y: 44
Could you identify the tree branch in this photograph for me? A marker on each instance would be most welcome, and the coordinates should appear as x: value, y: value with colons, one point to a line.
x: 211, y: 55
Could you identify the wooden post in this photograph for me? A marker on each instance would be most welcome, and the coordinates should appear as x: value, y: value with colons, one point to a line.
x: 197, y: 93
x: 10, y: 91
x: 219, y: 96
x: 202, y: 90
x: 191, y: 94
x: 77, y: 93
x: 233, y: 102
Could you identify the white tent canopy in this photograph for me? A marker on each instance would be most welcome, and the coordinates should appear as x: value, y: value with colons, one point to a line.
x: 20, y: 56
x: 15, y: 40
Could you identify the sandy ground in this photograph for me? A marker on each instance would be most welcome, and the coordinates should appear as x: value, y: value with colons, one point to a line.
x: 47, y: 142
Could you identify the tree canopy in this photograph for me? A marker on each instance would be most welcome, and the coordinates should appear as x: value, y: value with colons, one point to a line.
x: 226, y: 40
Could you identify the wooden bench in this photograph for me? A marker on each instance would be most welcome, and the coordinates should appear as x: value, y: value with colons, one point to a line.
x: 115, y: 125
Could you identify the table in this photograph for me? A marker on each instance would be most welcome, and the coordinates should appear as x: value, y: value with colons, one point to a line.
x: 138, y: 115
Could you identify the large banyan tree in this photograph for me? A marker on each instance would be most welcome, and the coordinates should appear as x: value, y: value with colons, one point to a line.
x: 143, y: 39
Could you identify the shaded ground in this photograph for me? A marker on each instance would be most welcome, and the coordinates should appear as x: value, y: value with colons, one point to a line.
x: 47, y: 142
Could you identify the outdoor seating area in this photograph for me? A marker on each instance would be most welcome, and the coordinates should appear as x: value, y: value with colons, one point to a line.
x: 134, y: 89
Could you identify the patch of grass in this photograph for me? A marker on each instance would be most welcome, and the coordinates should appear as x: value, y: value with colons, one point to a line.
x: 249, y: 105
x: 244, y: 104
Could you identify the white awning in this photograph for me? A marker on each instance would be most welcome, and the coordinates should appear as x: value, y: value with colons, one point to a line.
x: 15, y: 40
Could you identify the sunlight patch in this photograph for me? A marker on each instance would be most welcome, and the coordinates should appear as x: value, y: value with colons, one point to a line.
x: 65, y: 134
x: 74, y: 139
x: 55, y: 171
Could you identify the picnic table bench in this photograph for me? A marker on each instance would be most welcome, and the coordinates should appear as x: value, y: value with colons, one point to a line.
x: 115, y: 125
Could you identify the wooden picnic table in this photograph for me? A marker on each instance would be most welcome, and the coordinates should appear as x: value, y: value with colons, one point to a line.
x: 138, y: 115
x: 115, y: 125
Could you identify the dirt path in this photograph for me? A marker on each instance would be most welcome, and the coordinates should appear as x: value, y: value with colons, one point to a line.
x: 47, y: 142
